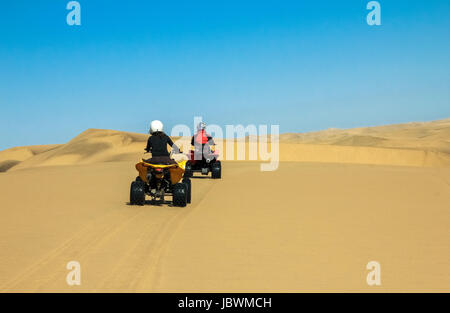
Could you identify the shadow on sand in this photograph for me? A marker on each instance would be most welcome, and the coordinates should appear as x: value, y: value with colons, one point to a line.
x: 154, y: 203
x: 200, y: 177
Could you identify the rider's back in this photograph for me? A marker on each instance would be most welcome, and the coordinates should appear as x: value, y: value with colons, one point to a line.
x: 157, y: 144
x: 202, y: 137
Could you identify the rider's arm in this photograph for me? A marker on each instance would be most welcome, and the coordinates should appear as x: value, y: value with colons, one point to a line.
x: 211, y: 140
x: 174, y: 146
x: 149, y: 145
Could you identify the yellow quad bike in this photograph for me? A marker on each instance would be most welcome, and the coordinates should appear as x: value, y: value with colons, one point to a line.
x: 158, y: 180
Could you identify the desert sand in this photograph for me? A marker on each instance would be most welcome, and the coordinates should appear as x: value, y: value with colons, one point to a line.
x: 339, y: 199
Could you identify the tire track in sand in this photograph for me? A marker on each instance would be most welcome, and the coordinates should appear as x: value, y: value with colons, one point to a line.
x: 138, y: 268
x: 33, y: 278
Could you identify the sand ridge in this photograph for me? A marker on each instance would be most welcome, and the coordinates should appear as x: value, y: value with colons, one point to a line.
x: 429, y: 136
x: 413, y: 144
x: 13, y: 156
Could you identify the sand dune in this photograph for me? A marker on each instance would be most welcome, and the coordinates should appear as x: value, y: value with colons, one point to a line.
x: 429, y: 136
x: 13, y: 156
x: 338, y: 200
x: 362, y: 155
x: 91, y: 146
x: 414, y: 144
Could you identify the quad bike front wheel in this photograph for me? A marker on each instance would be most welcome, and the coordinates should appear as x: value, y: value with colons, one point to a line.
x: 216, y: 170
x: 180, y: 195
x: 137, y: 192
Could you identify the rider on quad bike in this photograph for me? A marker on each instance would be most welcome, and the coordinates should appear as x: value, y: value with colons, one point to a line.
x: 203, y: 158
x: 200, y: 139
x: 157, y: 145
x: 160, y: 175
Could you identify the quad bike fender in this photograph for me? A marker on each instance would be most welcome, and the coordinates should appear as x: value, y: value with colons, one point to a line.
x: 142, y: 171
x: 176, y: 172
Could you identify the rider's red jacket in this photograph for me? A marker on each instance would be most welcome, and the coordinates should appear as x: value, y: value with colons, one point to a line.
x: 202, y: 137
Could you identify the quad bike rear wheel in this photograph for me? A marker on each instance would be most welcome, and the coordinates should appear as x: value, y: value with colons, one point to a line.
x: 216, y: 170
x: 180, y: 195
x: 137, y: 192
x: 187, y: 182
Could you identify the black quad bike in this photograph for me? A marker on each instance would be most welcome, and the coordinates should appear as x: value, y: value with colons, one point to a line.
x: 203, y: 160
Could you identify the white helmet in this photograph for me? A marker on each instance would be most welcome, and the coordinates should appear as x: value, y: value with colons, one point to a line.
x: 201, y: 126
x: 156, y: 126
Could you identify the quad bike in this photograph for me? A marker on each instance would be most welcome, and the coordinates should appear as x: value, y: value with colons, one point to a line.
x: 203, y: 160
x: 157, y: 180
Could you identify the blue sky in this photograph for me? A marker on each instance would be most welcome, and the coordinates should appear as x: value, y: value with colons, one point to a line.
x: 305, y: 65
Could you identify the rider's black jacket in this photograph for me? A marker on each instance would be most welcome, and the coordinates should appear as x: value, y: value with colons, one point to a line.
x: 157, y: 144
